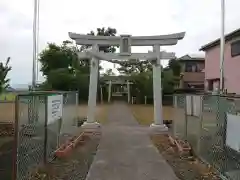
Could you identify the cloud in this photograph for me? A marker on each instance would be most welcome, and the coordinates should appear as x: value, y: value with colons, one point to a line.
x: 200, y: 20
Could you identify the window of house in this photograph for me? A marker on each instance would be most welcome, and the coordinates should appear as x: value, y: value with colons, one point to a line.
x: 235, y: 48
x: 191, y: 67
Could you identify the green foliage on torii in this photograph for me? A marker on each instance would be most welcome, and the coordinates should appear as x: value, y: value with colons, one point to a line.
x: 134, y: 66
x: 141, y: 74
x: 103, y: 32
x: 4, y: 70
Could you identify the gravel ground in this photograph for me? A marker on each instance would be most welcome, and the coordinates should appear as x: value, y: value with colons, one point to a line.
x: 74, y: 167
x: 6, y: 157
x: 186, y: 167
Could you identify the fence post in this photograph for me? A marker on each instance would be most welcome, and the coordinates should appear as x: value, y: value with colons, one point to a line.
x: 185, y: 112
x: 45, y: 130
x: 60, y: 121
x: 174, y: 120
x: 77, y: 103
x: 199, y: 136
x: 15, y: 150
x: 59, y: 132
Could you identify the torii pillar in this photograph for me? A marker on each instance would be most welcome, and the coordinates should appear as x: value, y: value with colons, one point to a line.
x: 92, y: 95
x: 157, y: 92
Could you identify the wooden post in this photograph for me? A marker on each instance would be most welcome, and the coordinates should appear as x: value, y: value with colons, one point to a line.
x: 128, y: 88
x: 109, y: 91
x: 101, y: 94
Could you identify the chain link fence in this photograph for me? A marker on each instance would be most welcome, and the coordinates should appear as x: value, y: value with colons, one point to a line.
x: 36, y: 137
x: 211, y: 125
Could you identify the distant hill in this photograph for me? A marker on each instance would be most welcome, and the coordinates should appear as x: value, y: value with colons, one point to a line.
x: 10, y: 89
x: 20, y: 87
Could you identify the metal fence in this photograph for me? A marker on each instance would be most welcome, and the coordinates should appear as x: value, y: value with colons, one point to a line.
x: 211, y: 125
x: 36, y: 137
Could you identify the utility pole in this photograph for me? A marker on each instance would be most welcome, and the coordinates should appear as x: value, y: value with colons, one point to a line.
x: 35, y: 20
x: 37, y: 44
x: 222, y: 45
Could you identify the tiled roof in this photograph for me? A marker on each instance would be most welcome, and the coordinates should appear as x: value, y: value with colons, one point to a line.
x: 228, y: 37
x: 189, y: 57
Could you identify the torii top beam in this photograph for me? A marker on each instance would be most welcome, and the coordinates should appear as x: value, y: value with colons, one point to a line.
x: 113, y: 56
x: 170, y: 39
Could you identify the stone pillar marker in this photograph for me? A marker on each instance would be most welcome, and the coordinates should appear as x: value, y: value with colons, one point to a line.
x: 109, y: 91
x: 128, y: 89
x: 101, y: 89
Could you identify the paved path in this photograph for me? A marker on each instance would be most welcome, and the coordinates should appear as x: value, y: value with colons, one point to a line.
x: 126, y: 152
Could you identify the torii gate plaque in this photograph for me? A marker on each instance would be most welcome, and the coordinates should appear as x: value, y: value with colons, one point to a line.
x: 125, y: 42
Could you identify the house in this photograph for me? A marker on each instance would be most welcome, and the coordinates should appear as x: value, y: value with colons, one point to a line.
x: 192, y: 74
x: 231, y: 63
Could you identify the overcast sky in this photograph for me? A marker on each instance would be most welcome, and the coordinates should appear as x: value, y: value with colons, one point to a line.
x: 199, y: 18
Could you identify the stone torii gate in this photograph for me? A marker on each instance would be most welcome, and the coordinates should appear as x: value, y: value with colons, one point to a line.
x: 125, y: 42
x: 124, y: 81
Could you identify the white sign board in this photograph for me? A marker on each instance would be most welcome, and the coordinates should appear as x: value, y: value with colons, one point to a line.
x: 196, y: 104
x: 55, y: 108
x: 233, y: 133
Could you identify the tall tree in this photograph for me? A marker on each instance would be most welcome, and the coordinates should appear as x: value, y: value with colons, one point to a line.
x: 59, y: 56
x: 64, y: 70
x: 61, y: 66
x: 134, y: 66
x: 175, y: 66
x: 168, y: 81
x: 4, y: 70
x: 109, y: 72
x: 103, y: 32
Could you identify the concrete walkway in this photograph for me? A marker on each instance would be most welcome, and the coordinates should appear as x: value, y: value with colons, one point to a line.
x: 126, y: 152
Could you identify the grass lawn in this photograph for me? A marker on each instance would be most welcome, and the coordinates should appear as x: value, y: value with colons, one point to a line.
x: 144, y: 114
x: 101, y: 112
x: 7, y: 96
x: 7, y: 112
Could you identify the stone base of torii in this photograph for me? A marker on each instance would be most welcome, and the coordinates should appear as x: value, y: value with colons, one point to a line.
x: 125, y: 42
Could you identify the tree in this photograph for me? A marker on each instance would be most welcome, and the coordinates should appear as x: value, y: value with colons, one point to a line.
x: 134, y: 66
x: 59, y: 56
x: 4, y: 70
x: 64, y: 70
x: 103, y: 32
x: 60, y: 65
x: 175, y: 66
x: 109, y: 72
x: 167, y: 81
